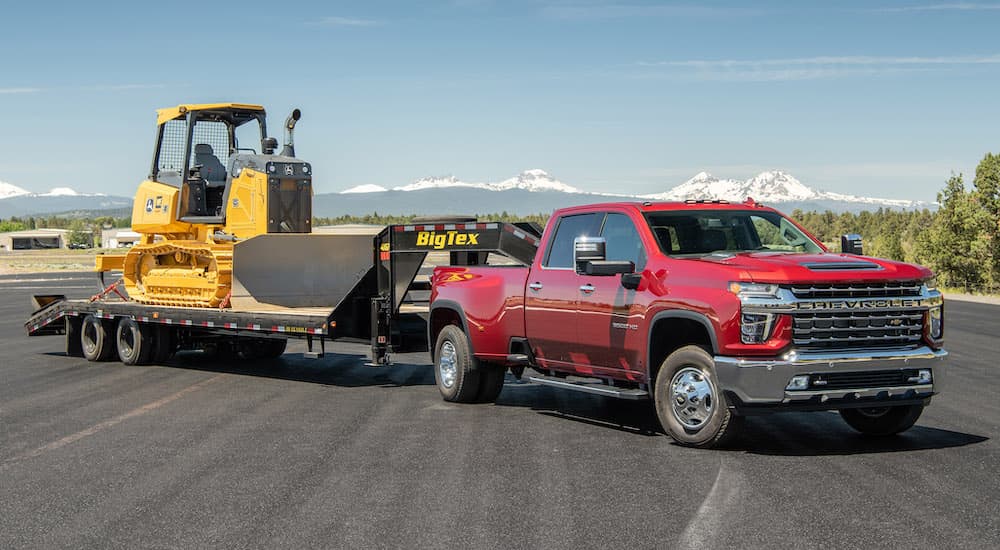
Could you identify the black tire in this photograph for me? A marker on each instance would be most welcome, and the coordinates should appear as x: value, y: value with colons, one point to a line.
x: 882, y: 421
x: 708, y: 422
x: 491, y: 378
x: 261, y: 348
x: 73, y: 345
x: 164, y: 343
x: 455, y: 369
x: 96, y: 339
x: 133, y: 341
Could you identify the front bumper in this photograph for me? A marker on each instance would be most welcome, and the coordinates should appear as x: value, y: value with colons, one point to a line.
x: 762, y: 382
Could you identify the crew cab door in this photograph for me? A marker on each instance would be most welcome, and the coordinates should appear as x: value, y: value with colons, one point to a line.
x: 610, y: 316
x: 552, y: 293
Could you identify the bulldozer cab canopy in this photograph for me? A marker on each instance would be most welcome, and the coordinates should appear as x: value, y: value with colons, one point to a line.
x: 233, y: 113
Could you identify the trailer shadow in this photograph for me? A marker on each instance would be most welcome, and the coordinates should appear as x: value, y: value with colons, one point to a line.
x: 787, y: 434
x: 346, y: 370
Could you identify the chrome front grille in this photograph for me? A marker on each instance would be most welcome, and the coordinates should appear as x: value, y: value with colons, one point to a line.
x: 892, y: 324
x: 857, y: 329
x: 857, y: 290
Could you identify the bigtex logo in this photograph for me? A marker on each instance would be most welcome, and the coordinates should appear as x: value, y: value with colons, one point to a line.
x: 451, y: 238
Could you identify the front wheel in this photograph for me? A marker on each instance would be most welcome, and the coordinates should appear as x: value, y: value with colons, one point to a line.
x: 455, y: 369
x: 882, y: 421
x: 689, y: 402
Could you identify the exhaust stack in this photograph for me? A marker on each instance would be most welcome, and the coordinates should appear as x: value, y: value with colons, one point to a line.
x: 289, y: 149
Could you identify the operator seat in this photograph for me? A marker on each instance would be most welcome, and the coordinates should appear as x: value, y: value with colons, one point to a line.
x: 211, y: 168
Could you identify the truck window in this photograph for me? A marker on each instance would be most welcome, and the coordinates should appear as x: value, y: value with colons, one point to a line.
x: 560, y: 253
x: 622, y: 241
x: 701, y: 232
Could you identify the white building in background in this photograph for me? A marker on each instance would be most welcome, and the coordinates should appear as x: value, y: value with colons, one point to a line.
x: 118, y: 238
x: 34, y: 239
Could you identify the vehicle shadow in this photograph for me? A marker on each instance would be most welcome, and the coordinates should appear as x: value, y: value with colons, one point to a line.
x: 636, y: 417
x: 826, y: 434
x: 785, y: 434
x: 342, y: 369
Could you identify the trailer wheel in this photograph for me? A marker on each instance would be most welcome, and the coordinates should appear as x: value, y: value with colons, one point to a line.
x: 134, y: 343
x: 96, y: 339
x: 689, y: 402
x: 882, y: 421
x: 261, y: 348
x: 164, y: 343
x: 455, y: 368
x: 491, y: 379
x: 74, y: 348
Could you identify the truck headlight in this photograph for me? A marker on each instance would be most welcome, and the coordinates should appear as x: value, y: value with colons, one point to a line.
x: 935, y: 322
x: 753, y: 290
x: 755, y: 328
x: 931, y: 283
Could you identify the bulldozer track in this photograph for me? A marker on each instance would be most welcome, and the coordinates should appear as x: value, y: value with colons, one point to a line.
x: 179, y: 273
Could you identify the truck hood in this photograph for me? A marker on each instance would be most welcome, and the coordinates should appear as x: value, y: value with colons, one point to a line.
x: 787, y: 267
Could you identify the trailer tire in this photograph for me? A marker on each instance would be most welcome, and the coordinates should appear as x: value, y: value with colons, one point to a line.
x: 455, y: 368
x: 134, y: 343
x: 689, y: 402
x: 882, y: 421
x: 164, y: 343
x: 491, y: 378
x: 96, y: 339
x: 74, y: 348
x: 261, y: 348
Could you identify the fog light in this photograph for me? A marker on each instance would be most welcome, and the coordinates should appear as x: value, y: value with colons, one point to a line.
x: 800, y: 382
x: 924, y: 376
x: 755, y: 328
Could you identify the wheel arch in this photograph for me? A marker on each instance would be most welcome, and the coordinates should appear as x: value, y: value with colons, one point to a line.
x: 444, y: 313
x: 673, y: 329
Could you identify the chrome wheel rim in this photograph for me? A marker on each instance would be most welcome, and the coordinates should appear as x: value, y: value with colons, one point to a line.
x: 89, y: 339
x: 447, y: 365
x: 692, y: 398
x: 127, y: 341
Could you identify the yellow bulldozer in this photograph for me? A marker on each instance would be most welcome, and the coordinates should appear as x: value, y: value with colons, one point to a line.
x: 208, y: 189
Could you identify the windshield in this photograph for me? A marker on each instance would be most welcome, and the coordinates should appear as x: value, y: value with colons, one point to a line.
x: 700, y: 232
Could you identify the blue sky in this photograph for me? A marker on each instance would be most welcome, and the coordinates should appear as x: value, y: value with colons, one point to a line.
x: 873, y: 98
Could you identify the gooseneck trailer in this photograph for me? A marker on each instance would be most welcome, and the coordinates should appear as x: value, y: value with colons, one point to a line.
x: 358, y: 285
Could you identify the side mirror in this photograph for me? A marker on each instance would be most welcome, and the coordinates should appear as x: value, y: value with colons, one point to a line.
x: 605, y: 268
x: 589, y: 258
x: 851, y: 244
x: 588, y: 249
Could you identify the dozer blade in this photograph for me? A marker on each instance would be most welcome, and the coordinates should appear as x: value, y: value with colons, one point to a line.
x: 299, y: 270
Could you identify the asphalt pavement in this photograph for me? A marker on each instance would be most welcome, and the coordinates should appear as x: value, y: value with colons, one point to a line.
x: 329, y: 453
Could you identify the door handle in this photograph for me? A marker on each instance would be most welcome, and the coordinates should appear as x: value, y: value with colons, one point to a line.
x: 587, y: 289
x: 535, y: 286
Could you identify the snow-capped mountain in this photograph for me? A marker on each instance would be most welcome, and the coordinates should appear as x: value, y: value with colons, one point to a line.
x: 535, y: 191
x: 773, y: 186
x: 16, y: 201
x: 534, y: 180
x: 10, y: 190
x: 366, y: 188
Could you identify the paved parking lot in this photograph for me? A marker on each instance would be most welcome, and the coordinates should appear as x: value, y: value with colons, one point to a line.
x: 330, y: 453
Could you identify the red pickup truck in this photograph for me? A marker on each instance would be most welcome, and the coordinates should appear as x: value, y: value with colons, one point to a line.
x: 713, y: 310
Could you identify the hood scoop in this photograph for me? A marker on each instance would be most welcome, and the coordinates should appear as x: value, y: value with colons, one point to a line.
x: 841, y: 266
